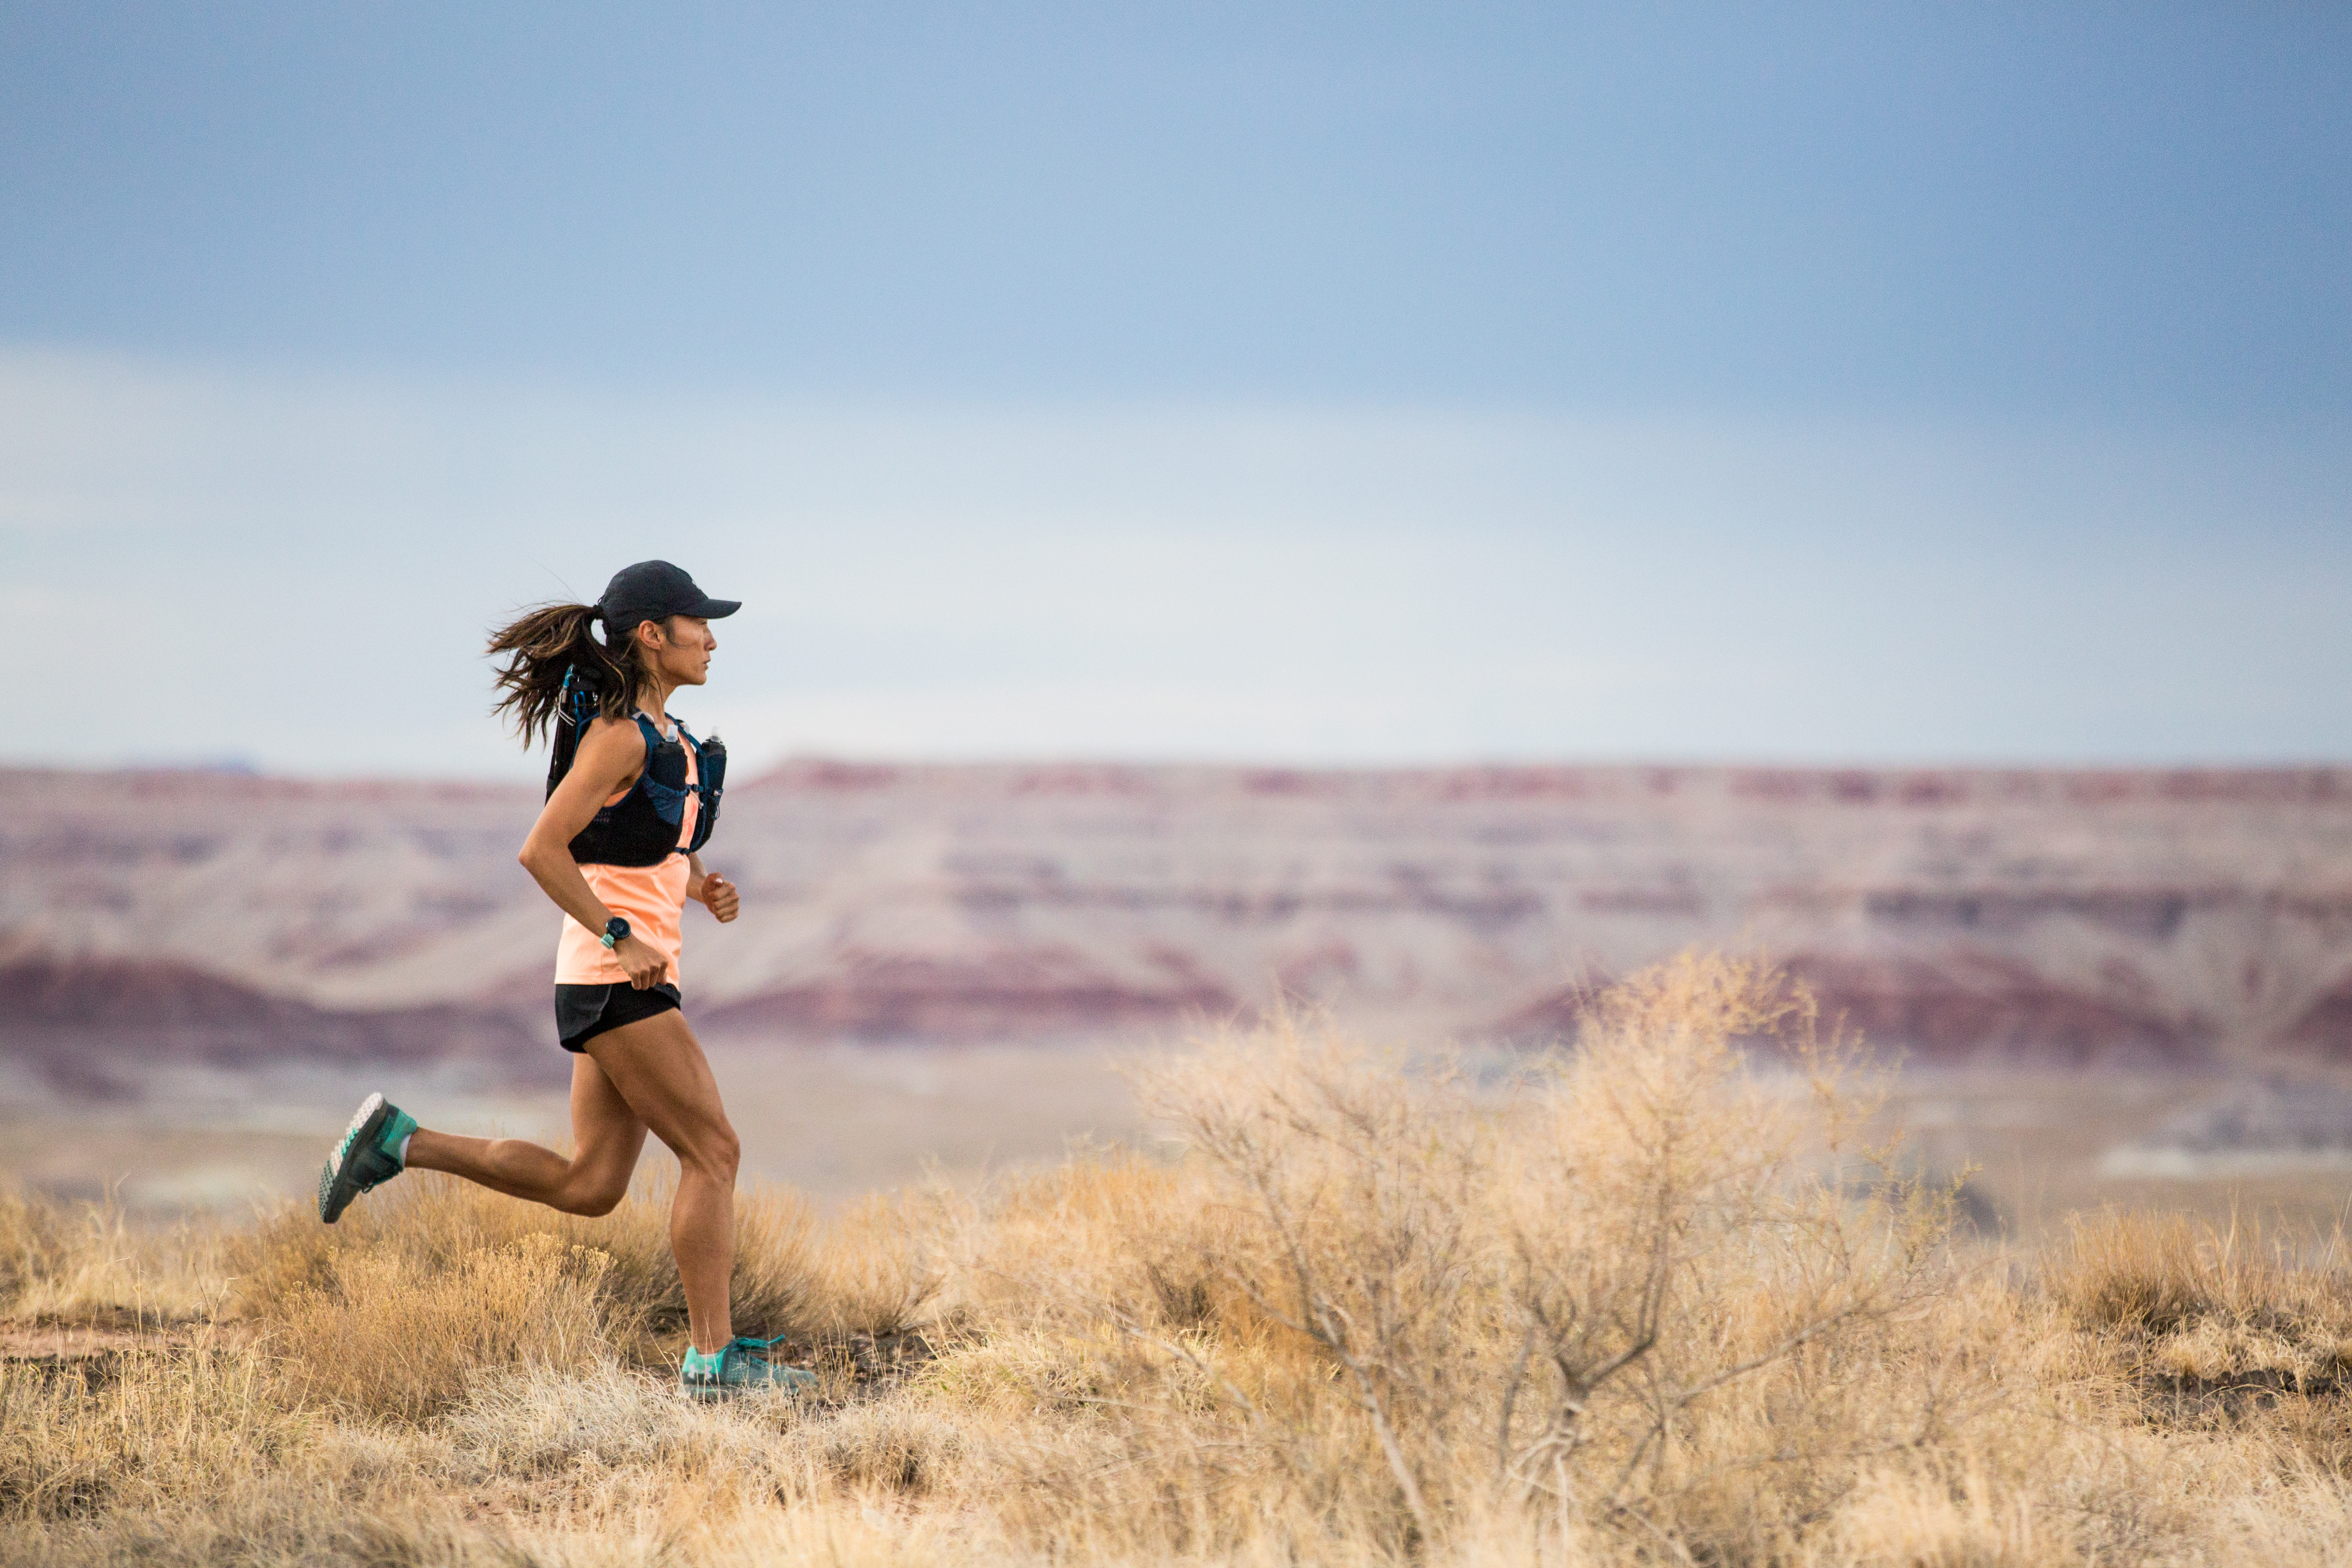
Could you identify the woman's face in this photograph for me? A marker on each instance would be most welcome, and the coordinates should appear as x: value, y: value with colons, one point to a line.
x: 681, y: 648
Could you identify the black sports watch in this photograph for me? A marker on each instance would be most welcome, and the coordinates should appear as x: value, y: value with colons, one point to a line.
x: 615, y: 929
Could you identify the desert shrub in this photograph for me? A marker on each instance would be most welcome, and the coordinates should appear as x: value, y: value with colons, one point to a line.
x: 1641, y: 1295
x: 2313, y: 1430
x: 1069, y: 1247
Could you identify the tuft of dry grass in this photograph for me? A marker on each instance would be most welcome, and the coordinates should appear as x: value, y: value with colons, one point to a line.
x: 33, y: 1244
x: 429, y: 1224
x: 87, y: 1265
x: 877, y: 1267
x: 176, y: 1421
x: 2207, y: 1322
x: 396, y: 1310
x: 2143, y: 1273
x: 380, y: 1340
x: 1638, y: 1305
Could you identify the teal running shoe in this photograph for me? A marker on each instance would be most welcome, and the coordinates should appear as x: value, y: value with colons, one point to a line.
x: 745, y: 1366
x: 367, y: 1157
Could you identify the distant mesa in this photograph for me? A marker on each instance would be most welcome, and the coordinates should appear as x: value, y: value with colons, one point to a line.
x: 89, y: 1025
x: 2060, y: 916
x: 1962, y: 1007
x: 1000, y: 995
x: 1965, y: 1003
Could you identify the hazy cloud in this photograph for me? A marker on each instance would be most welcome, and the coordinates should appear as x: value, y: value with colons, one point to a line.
x: 299, y: 570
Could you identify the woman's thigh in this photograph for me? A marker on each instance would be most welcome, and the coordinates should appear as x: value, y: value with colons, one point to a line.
x: 657, y: 1069
x: 606, y: 1135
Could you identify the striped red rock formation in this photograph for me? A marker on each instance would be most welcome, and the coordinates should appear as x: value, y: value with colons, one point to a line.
x: 2073, y: 915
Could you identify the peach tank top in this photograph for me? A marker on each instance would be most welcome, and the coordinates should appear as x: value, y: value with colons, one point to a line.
x: 652, y: 898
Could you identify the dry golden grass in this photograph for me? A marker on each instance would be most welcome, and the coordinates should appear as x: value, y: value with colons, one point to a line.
x: 88, y: 1266
x: 1636, y: 1306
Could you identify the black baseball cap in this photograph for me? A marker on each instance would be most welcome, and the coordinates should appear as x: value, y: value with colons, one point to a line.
x: 654, y: 591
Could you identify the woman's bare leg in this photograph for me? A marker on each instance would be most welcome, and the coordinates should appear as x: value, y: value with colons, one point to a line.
x: 606, y: 1138
x: 658, y: 1068
x: 649, y: 1074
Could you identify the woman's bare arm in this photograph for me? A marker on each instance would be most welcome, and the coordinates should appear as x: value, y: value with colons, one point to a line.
x: 611, y: 756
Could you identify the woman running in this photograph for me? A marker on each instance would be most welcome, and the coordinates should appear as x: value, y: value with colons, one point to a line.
x: 631, y: 797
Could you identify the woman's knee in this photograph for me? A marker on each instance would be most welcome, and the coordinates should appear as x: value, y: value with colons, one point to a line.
x: 596, y: 1183
x: 592, y: 1202
x: 715, y: 1153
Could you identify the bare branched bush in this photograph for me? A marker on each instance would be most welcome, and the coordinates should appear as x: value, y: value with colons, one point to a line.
x: 1590, y: 1298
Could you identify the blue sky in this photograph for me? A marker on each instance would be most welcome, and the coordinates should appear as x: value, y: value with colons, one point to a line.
x: 1353, y: 384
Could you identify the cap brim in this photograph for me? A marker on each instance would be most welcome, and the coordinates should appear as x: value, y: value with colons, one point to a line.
x: 713, y: 609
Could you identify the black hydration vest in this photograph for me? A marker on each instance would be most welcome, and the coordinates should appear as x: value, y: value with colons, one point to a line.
x: 641, y: 828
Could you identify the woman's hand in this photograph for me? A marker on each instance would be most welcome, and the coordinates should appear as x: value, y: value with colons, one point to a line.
x: 644, y: 967
x: 719, y: 894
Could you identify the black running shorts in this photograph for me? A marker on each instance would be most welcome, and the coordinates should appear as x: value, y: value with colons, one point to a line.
x: 585, y: 1011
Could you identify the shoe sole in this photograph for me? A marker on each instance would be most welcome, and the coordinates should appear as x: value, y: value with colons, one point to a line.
x: 795, y: 1390
x: 336, y: 1187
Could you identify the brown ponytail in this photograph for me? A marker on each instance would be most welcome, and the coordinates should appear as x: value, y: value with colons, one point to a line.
x: 541, y: 645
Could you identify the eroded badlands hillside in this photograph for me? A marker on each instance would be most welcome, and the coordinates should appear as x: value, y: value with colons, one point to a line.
x: 2064, y: 915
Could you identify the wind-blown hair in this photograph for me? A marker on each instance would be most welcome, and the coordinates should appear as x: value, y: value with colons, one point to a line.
x: 541, y: 645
